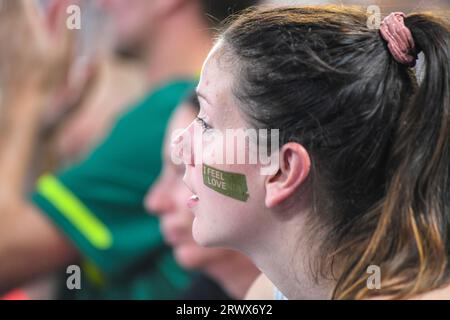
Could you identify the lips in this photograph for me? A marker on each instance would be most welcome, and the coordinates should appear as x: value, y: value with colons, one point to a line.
x: 194, y: 199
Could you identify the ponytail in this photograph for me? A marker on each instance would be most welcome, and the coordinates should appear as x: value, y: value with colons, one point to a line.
x: 416, y: 207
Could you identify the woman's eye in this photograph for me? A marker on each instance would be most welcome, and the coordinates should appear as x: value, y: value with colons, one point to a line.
x: 203, y: 123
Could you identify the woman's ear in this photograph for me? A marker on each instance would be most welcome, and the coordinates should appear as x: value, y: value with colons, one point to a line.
x: 294, y: 168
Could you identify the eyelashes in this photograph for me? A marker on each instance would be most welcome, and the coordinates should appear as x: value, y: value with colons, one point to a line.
x: 205, y: 126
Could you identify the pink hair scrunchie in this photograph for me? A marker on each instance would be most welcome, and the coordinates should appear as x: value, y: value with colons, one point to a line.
x: 399, y: 38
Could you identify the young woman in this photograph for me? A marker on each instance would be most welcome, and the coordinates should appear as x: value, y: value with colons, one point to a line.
x: 363, y: 181
x: 227, y: 273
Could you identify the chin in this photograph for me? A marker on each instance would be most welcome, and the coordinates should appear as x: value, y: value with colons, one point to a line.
x: 188, y: 258
x: 199, y: 234
x: 206, y: 237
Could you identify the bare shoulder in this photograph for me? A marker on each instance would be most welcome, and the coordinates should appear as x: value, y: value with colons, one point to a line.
x: 261, y: 289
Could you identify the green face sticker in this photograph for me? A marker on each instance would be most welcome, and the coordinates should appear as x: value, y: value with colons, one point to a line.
x: 233, y: 185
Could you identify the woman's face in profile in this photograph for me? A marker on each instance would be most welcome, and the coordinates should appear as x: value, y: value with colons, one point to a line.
x: 223, y: 216
x: 168, y: 199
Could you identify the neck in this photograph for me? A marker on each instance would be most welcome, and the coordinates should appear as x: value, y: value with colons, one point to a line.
x: 285, y: 259
x: 235, y: 275
x: 179, y: 48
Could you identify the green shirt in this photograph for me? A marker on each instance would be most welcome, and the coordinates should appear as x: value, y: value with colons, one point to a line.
x: 99, y: 205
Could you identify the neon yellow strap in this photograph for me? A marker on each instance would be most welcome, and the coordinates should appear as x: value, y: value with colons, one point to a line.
x: 75, y: 211
x: 93, y: 273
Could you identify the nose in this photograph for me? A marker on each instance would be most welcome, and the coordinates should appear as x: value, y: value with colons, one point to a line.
x: 183, y: 147
x: 158, y: 200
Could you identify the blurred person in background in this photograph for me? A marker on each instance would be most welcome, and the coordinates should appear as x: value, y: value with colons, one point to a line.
x: 110, y: 82
x: 36, y: 43
x: 227, y: 274
x: 92, y: 213
x: 100, y: 84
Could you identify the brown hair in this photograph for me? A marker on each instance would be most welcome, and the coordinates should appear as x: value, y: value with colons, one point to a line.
x: 378, y: 140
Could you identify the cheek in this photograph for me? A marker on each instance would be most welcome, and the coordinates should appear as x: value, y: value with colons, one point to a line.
x: 220, y: 220
x: 237, y: 186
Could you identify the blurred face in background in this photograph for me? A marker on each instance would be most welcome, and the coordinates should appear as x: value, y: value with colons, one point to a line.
x: 168, y: 199
x: 133, y: 22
